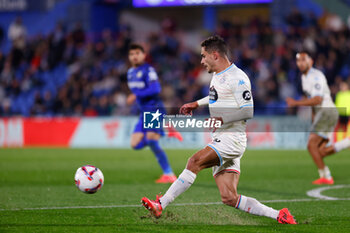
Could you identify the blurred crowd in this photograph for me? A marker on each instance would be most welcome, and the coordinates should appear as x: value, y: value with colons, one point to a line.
x: 268, y: 55
x: 68, y: 74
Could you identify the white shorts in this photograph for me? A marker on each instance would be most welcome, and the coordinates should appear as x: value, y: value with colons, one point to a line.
x: 325, y: 121
x: 230, y: 148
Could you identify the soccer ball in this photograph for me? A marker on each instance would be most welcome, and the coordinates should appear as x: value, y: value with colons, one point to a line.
x: 89, y: 179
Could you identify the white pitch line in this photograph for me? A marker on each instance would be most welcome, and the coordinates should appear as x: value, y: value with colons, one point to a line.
x: 72, y: 207
x: 176, y: 204
x: 317, y: 192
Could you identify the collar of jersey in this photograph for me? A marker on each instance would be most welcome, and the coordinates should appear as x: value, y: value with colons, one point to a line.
x: 232, y: 65
x: 309, y: 72
x: 138, y: 67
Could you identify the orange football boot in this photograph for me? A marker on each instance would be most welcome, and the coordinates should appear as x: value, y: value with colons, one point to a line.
x: 285, y: 217
x: 173, y: 133
x: 153, y: 206
x: 323, y: 180
x: 166, y: 179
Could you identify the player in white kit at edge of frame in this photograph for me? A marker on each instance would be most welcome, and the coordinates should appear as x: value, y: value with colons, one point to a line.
x: 230, y: 101
x: 325, y: 116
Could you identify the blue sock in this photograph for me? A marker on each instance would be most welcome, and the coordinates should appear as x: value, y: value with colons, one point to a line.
x: 141, y: 144
x: 161, y: 156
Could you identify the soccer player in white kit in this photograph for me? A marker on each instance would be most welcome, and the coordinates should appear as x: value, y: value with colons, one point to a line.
x: 230, y: 101
x: 325, y: 116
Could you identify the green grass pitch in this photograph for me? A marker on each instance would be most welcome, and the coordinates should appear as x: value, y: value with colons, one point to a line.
x: 44, y: 178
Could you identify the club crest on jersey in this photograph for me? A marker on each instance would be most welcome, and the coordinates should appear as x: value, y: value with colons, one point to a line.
x: 139, y: 74
x: 247, y: 95
x: 213, y: 95
x: 317, y: 86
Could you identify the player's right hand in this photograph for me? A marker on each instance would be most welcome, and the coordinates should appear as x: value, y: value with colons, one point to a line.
x: 290, y: 102
x: 186, y: 109
x: 131, y: 99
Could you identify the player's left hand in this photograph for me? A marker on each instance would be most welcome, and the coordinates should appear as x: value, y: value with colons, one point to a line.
x: 291, y: 102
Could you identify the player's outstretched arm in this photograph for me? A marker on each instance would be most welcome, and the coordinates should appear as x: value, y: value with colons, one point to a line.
x: 187, y: 109
x: 304, y: 102
x: 152, y: 89
x: 242, y: 113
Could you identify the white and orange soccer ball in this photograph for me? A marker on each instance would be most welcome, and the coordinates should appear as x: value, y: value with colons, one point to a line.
x: 89, y: 179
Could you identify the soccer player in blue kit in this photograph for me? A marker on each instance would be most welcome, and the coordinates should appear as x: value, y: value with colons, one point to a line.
x: 145, y: 87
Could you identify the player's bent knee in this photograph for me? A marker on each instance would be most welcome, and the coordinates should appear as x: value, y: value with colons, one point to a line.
x: 133, y: 146
x: 193, y: 164
x: 152, y: 136
x: 136, y: 145
x: 323, y: 153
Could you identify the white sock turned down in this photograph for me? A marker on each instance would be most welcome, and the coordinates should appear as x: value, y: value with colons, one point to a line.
x: 253, y: 206
x: 185, y: 180
x: 247, y: 204
x: 325, y: 173
x: 341, y: 145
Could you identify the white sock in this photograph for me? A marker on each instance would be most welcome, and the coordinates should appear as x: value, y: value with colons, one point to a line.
x: 321, y: 173
x: 185, y: 180
x: 253, y: 206
x: 341, y: 145
x: 325, y: 173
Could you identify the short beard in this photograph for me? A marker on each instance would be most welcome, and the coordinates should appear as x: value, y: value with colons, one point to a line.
x: 138, y: 64
x: 305, y: 70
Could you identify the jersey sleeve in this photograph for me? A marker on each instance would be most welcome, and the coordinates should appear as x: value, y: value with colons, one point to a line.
x: 151, y: 75
x: 318, y: 85
x: 242, y: 92
x: 152, y: 86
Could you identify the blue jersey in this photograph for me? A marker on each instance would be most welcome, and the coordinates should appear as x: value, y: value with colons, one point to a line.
x: 143, y: 82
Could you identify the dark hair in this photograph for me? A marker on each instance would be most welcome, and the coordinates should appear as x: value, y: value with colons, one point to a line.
x: 307, y: 52
x: 215, y: 43
x: 136, y: 46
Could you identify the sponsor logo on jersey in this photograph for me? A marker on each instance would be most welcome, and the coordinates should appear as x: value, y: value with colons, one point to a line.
x: 136, y: 84
x: 216, y: 140
x: 317, y: 86
x: 247, y: 95
x: 213, y: 95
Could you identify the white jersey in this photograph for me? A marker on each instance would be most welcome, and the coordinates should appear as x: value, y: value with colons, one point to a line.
x: 314, y: 83
x: 230, y: 90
